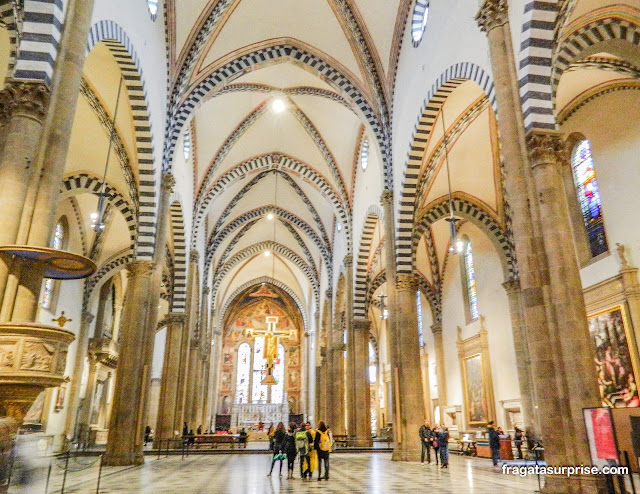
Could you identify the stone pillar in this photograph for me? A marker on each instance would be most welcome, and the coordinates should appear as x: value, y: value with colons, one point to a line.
x: 193, y: 343
x: 523, y: 358
x: 321, y: 387
x: 426, y: 387
x: 407, y: 373
x: 216, y: 352
x: 85, y: 416
x: 436, y: 330
x: 310, y: 364
x: 350, y: 375
x: 547, y: 155
x: 167, y: 421
x: 206, y: 358
x: 73, y: 400
x: 124, y: 445
x: 362, y: 387
x: 336, y: 402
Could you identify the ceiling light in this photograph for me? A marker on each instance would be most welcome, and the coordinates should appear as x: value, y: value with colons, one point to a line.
x: 270, y: 216
x: 278, y: 105
x: 459, y: 245
x: 267, y: 253
x: 339, y: 226
x: 94, y: 216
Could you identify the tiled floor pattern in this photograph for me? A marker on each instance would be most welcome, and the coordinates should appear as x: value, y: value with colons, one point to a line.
x: 239, y: 474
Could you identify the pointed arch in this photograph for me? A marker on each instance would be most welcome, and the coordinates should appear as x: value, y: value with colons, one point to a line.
x: 179, y: 301
x: 374, y: 214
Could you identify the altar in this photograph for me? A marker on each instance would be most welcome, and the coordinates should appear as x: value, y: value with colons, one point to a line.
x: 249, y: 414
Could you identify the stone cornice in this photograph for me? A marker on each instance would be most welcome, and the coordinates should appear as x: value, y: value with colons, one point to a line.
x: 361, y: 324
x: 493, y: 13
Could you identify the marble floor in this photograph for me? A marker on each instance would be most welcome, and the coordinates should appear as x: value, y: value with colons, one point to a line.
x: 238, y: 474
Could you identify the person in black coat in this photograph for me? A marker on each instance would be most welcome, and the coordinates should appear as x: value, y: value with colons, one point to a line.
x: 279, y: 439
x: 426, y: 438
x: 290, y: 449
x: 494, y: 443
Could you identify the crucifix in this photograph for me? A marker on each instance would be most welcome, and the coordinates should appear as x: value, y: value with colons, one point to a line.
x: 271, y: 338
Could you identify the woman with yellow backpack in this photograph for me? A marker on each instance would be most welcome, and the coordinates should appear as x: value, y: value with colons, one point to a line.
x: 309, y: 464
x: 323, y: 444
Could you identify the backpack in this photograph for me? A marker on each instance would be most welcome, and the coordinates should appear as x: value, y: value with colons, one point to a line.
x: 326, y: 440
x: 302, y: 442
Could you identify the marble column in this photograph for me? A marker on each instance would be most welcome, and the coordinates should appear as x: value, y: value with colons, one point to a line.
x: 167, y: 422
x: 193, y: 343
x: 407, y: 372
x: 362, y: 387
x: 441, y: 380
x: 216, y: 357
x: 350, y: 375
x: 523, y: 358
x: 124, y: 444
x: 205, y: 347
x: 73, y: 400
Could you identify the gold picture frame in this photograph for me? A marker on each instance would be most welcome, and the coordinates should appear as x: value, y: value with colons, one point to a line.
x: 475, y: 396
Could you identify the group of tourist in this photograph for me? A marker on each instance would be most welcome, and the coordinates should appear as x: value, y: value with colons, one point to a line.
x: 312, y: 446
x: 436, y: 438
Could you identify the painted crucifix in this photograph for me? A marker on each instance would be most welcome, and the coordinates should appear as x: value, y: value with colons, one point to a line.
x: 272, y: 337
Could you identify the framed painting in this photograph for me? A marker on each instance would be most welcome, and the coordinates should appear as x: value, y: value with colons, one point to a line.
x: 615, y: 368
x: 62, y: 391
x: 475, y: 399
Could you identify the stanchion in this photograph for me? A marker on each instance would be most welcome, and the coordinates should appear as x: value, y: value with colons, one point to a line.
x: 46, y: 485
x: 159, y: 447
x: 183, y: 445
x: 99, y: 476
x: 64, y: 476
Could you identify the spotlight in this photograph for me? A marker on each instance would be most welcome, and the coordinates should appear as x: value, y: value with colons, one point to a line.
x: 270, y: 216
x: 278, y: 106
x: 267, y: 253
x: 94, y: 216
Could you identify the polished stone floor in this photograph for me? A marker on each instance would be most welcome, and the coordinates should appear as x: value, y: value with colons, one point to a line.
x: 238, y: 474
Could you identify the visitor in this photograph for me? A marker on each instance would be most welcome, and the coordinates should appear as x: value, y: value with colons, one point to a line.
x: 494, y: 443
x: 279, y: 437
x: 302, y: 440
x: 199, y: 430
x: 435, y: 445
x: 443, y: 446
x: 426, y: 438
x: 192, y: 438
x: 323, y: 444
x: 242, y: 440
x: 147, y: 434
x: 185, y: 430
x: 270, y: 432
x: 290, y: 449
x: 313, y: 454
x: 518, y: 440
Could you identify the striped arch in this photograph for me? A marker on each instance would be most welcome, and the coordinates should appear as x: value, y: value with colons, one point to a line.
x: 179, y: 301
x: 10, y: 18
x: 469, y: 210
x: 116, y: 263
x: 448, y: 81
x: 275, y: 51
x: 431, y: 295
x: 372, y: 286
x: 374, y: 213
x: 40, y: 37
x: 260, y: 281
x: 84, y: 182
x: 258, y: 213
x: 121, y: 47
x: 272, y: 161
x: 534, y: 65
x: 257, y: 249
x: 588, y: 35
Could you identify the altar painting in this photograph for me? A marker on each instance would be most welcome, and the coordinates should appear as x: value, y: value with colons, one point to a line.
x: 474, y: 390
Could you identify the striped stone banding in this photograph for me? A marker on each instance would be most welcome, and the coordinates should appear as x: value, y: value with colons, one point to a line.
x: 79, y: 222
x: 420, y: 9
x: 113, y: 264
x: 11, y: 18
x: 179, y: 301
x: 121, y: 47
x: 446, y: 83
x: 372, y: 286
x: 293, y: 91
x: 374, y: 214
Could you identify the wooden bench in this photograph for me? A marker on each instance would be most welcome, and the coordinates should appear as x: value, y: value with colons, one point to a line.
x: 214, y: 440
x: 343, y: 440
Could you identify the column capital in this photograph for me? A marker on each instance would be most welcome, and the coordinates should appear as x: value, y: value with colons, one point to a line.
x: 139, y: 268
x: 175, y: 318
x: 545, y: 147
x: 361, y: 325
x: 493, y: 13
x: 206, y: 290
x: 348, y: 261
x: 512, y: 286
x: 436, y: 328
x: 194, y: 256
x: 406, y: 282
x: 329, y: 293
x: 386, y: 197
x: 168, y: 181
x: 28, y: 98
x: 87, y: 317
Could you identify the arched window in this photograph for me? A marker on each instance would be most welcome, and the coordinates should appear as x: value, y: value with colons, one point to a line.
x: 419, y: 20
x: 258, y: 391
x: 49, y: 284
x: 186, y: 144
x: 153, y: 8
x: 243, y: 374
x: 364, y: 154
x: 420, y: 328
x: 277, y: 390
x: 470, y: 282
x: 584, y: 178
x: 373, y: 367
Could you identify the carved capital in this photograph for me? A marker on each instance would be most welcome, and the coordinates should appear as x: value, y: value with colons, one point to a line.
x: 545, y: 147
x: 361, y: 325
x: 348, y: 261
x: 206, y: 290
x: 406, y: 282
x: 168, y: 181
x: 329, y: 294
x: 139, y: 268
x: 386, y: 197
x: 27, y: 98
x: 512, y: 286
x: 493, y: 13
x: 87, y: 317
x: 175, y: 318
x: 193, y: 256
x: 436, y: 328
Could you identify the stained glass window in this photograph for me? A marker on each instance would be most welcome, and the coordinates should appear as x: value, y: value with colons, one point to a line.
x: 277, y: 390
x: 364, y: 154
x: 259, y: 391
x: 584, y: 177
x: 244, y: 373
x: 373, y: 368
x: 153, y: 8
x: 49, y: 284
x: 186, y: 144
x: 420, y: 329
x: 471, y: 282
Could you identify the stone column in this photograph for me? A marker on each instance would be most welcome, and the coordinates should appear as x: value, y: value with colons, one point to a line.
x: 407, y: 372
x: 426, y: 387
x: 436, y: 330
x: 167, y: 423
x: 216, y: 352
x: 336, y: 402
x: 124, y: 445
x: 523, y: 358
x: 193, y: 342
x: 547, y: 155
x: 206, y: 358
x: 362, y: 387
x: 321, y: 387
x: 310, y: 364
x: 350, y: 376
x: 85, y: 416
